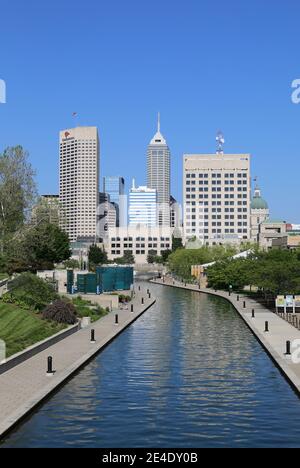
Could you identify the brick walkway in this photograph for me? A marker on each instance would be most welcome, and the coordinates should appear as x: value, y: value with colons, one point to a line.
x: 273, y: 341
x: 27, y: 384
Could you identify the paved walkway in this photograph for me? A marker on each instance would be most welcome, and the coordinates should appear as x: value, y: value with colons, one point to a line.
x: 27, y: 384
x: 273, y: 341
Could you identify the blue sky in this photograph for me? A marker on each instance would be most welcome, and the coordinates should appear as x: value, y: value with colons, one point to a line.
x: 205, y: 65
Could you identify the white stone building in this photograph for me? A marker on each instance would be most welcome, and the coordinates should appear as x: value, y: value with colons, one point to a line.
x: 138, y: 240
x: 216, y: 197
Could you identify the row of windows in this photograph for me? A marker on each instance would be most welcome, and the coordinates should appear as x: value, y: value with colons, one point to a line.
x: 140, y: 246
x: 214, y: 175
x: 217, y: 182
x: 217, y: 203
x: 217, y: 217
x: 216, y: 189
x: 217, y: 223
x: 139, y: 239
x: 231, y: 195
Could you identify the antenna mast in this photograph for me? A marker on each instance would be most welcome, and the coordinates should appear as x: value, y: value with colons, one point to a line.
x: 220, y: 142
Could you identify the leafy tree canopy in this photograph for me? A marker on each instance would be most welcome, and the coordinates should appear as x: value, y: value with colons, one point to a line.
x: 96, y: 256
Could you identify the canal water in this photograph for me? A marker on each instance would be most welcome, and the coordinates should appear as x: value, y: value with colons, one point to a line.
x: 188, y: 373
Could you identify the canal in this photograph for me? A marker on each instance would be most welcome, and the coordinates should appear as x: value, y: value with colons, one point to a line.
x: 188, y: 373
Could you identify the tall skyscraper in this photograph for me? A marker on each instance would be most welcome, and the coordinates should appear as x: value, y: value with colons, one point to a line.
x: 158, y: 174
x: 217, y: 197
x: 114, y: 186
x: 79, y: 182
x: 142, y: 206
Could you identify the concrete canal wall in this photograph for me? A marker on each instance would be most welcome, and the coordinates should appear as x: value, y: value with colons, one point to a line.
x: 274, y: 340
x: 26, y: 385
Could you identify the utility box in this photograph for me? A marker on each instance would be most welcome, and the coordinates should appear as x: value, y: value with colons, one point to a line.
x: 70, y: 281
x: 106, y: 279
x: 114, y: 278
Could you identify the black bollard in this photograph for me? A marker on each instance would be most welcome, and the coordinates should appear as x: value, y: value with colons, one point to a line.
x: 50, y: 365
x: 288, y: 348
x: 131, y: 309
x: 142, y: 300
x: 139, y: 288
x: 266, y: 327
x: 244, y: 304
x: 93, y: 336
x: 253, y: 313
x: 237, y: 298
x: 117, y: 319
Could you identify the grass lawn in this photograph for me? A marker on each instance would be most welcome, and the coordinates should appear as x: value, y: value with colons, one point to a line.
x: 21, y: 328
x: 3, y: 276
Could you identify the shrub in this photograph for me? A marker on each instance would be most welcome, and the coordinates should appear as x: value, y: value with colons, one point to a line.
x: 72, y: 263
x: 29, y: 292
x: 61, y: 312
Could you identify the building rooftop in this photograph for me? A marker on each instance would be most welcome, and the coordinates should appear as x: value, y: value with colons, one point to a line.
x: 258, y: 203
x: 158, y: 139
x: 273, y: 221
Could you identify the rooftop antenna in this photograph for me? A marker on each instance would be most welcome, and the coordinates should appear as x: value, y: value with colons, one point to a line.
x: 220, y: 142
x: 158, y: 122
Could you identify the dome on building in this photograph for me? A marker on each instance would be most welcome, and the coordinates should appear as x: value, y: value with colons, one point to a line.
x: 258, y: 203
x: 194, y: 244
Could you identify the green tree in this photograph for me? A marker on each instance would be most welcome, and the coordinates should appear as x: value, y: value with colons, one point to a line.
x: 151, y: 257
x: 181, y: 260
x: 38, y: 248
x: 72, y: 264
x: 272, y: 272
x: 127, y: 259
x: 176, y: 243
x: 278, y: 272
x: 165, y: 255
x: 47, y: 243
x: 228, y: 272
x: 96, y: 256
x: 17, y: 192
x: 29, y: 291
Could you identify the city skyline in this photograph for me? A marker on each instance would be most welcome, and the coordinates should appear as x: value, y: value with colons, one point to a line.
x: 197, y: 90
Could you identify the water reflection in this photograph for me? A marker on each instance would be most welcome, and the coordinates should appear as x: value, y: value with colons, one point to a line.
x: 187, y: 374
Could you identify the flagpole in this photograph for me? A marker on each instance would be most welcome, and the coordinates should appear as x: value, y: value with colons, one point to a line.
x: 75, y: 117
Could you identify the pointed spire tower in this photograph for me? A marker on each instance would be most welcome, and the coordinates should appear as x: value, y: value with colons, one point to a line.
x: 158, y: 174
x: 158, y: 139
